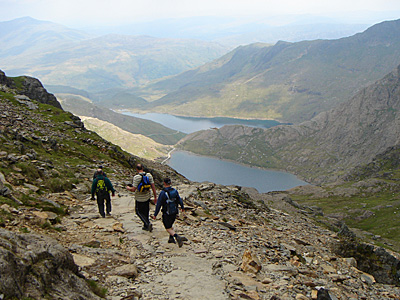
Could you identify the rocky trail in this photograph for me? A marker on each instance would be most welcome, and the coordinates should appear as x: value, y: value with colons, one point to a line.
x: 231, y: 252
x: 166, y: 271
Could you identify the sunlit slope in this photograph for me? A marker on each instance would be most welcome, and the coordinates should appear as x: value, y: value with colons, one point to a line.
x: 83, y: 107
x: 135, y: 144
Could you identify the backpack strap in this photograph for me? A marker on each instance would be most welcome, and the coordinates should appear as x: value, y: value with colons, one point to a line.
x: 167, y: 193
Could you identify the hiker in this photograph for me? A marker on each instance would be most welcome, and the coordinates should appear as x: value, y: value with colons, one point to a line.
x: 102, y: 187
x: 168, y: 201
x: 98, y: 172
x: 141, y: 185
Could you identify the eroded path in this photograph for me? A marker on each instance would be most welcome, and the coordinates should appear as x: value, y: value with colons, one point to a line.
x: 165, y: 270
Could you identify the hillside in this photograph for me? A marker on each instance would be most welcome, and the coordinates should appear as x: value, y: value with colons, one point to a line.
x: 322, y: 149
x: 135, y: 144
x: 84, y: 107
x: 59, y: 56
x: 239, y: 244
x: 290, y: 82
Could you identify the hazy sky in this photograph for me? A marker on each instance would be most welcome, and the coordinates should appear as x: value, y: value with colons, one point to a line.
x: 115, y: 12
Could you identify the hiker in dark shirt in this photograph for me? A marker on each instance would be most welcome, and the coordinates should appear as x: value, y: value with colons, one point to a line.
x: 102, y: 187
x: 169, y: 213
x: 98, y: 172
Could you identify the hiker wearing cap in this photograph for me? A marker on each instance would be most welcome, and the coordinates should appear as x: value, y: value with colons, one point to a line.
x: 99, y: 171
x: 102, y: 187
x: 168, y: 201
x: 142, y: 184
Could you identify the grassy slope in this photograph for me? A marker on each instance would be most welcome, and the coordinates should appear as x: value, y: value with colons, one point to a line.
x: 369, y: 199
x: 135, y: 144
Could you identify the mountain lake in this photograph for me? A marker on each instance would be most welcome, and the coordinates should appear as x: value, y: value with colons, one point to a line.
x: 192, y: 124
x: 201, y: 168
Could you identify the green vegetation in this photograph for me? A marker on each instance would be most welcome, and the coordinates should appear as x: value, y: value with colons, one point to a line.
x: 371, y: 205
x: 97, y: 288
x: 18, y: 82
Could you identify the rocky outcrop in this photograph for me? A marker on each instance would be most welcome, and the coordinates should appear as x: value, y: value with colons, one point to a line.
x: 4, y: 80
x: 373, y: 260
x: 32, y: 88
x: 38, y: 267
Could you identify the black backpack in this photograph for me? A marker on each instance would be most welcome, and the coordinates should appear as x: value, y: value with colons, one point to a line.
x: 171, y: 207
x: 144, y: 184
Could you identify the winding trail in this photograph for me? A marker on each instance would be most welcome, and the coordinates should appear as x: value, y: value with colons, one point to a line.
x: 182, y: 273
x: 168, y: 156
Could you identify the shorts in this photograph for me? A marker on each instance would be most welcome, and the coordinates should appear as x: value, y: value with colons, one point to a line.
x: 168, y: 220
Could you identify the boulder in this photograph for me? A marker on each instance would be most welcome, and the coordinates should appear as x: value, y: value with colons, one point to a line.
x: 34, y: 266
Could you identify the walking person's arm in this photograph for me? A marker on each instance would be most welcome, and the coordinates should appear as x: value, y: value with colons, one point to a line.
x: 93, y: 188
x: 153, y: 188
x: 110, y: 186
x: 158, y: 206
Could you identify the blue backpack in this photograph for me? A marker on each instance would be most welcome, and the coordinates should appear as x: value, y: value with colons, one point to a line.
x: 144, y: 184
x: 171, y: 203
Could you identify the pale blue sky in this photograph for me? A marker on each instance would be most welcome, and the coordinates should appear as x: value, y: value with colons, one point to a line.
x: 116, y: 12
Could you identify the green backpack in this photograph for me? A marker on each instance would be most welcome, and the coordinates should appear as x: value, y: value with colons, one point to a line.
x: 101, y: 188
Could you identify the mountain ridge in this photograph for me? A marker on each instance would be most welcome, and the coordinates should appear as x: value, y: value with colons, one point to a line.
x: 60, y: 56
x: 286, y: 82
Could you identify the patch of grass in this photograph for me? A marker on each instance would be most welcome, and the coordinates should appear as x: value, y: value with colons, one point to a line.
x: 46, y: 225
x: 8, y: 201
x: 96, y: 288
x: 58, y: 185
x: 377, y: 213
x: 24, y: 230
x: 18, y: 82
x: 29, y: 170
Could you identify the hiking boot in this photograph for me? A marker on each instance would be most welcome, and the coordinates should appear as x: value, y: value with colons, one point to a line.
x: 150, y: 228
x: 145, y: 228
x: 108, y: 215
x: 171, y: 240
x: 179, y: 240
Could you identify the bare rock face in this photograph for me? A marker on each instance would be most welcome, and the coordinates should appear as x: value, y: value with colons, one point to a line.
x: 36, y: 266
x: 32, y: 88
x: 35, y: 90
x: 4, y: 80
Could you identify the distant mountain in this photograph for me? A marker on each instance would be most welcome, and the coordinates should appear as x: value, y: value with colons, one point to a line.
x: 27, y: 35
x: 320, y: 150
x: 289, y: 82
x: 293, y: 33
x: 59, y: 56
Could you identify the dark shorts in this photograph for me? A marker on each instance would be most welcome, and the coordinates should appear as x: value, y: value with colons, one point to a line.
x: 168, y: 220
